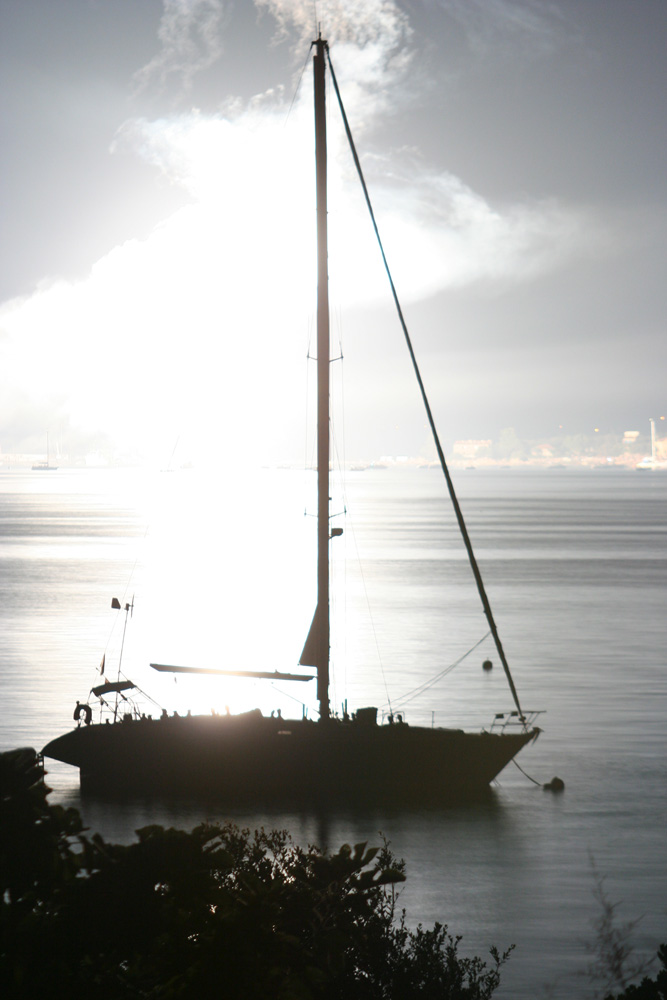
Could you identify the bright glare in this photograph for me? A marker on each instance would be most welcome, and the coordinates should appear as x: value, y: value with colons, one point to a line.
x: 201, y: 328
x: 228, y: 583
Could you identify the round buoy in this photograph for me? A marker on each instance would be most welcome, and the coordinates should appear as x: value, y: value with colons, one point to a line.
x: 487, y: 665
x: 555, y: 785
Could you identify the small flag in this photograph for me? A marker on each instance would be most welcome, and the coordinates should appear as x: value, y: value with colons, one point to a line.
x: 102, y: 663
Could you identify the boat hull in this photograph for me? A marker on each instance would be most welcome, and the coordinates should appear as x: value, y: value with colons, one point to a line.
x: 251, y: 758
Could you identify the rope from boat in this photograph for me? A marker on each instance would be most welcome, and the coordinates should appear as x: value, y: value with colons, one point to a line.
x: 436, y: 439
x: 534, y: 781
x: 147, y: 696
x: 411, y: 695
x: 286, y: 694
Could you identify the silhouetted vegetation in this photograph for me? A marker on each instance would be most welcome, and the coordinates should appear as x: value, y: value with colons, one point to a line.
x: 217, y: 912
x: 615, y: 963
x: 648, y: 989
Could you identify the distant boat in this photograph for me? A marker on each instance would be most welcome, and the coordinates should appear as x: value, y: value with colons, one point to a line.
x: 45, y: 466
x: 351, y: 759
x: 650, y: 462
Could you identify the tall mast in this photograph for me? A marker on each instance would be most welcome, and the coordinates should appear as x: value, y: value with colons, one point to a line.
x: 323, y: 365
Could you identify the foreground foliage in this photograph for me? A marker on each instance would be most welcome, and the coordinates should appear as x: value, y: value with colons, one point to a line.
x: 648, y: 989
x: 217, y: 912
x: 615, y: 962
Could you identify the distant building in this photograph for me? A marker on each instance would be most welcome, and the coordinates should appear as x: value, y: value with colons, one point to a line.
x: 471, y: 449
x: 542, y: 451
x: 630, y: 437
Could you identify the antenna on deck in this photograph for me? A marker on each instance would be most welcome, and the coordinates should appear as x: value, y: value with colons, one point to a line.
x: 129, y: 608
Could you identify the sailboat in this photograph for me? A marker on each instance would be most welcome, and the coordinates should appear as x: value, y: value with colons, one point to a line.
x: 350, y: 759
x: 45, y: 466
x: 650, y: 462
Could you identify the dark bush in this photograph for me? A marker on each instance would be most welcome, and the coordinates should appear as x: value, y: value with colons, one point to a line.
x: 218, y: 912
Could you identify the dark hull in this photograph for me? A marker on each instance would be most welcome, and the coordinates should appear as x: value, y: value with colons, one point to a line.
x: 250, y: 758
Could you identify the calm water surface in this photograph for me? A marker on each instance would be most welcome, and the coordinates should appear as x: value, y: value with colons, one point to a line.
x: 221, y: 570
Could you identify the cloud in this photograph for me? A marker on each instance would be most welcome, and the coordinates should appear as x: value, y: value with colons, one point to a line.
x: 358, y: 22
x: 190, y: 36
x: 165, y: 334
x: 440, y: 233
x: 494, y: 24
x: 371, y: 42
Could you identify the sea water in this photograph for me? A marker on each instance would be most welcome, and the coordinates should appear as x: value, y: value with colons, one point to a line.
x: 217, y: 570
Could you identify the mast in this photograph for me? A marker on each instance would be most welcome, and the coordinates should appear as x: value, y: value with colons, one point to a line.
x: 323, y: 363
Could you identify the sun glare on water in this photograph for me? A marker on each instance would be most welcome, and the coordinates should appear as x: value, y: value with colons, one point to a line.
x: 228, y: 582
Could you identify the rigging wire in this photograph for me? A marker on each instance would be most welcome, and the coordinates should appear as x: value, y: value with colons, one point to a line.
x: 296, y: 89
x: 307, y: 451
x: 291, y: 697
x: 429, y: 414
x: 123, y: 603
x: 340, y: 464
x: 411, y: 695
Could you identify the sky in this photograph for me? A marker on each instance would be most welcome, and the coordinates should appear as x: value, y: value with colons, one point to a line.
x: 157, y: 293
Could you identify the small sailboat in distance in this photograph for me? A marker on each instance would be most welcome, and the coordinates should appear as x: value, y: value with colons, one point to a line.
x: 651, y: 462
x: 353, y: 759
x: 45, y: 466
